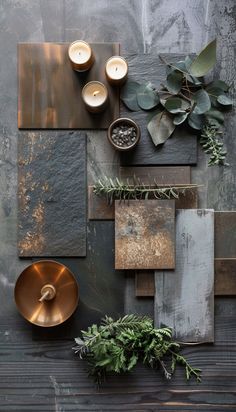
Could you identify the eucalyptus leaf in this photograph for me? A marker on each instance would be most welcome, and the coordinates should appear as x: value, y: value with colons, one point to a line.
x: 196, y: 121
x: 164, y: 95
x: 129, y: 95
x: 214, y: 116
x: 224, y: 100
x: 147, y: 97
x: 180, y: 118
x: 176, y: 105
x: 219, y: 84
x: 203, y: 102
x: 205, y: 61
x: 161, y: 127
x: 174, y: 81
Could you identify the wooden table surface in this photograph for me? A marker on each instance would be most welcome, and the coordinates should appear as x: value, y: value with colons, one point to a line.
x: 38, y: 375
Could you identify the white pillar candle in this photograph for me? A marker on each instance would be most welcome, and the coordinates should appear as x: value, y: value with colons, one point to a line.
x: 80, y: 55
x: 95, y: 96
x: 116, y: 70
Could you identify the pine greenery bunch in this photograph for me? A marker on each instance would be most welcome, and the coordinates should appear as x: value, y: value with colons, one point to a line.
x: 116, y: 189
x: 186, y: 99
x: 117, y: 346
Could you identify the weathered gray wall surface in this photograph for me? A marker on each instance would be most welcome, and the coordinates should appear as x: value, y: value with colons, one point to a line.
x: 38, y: 375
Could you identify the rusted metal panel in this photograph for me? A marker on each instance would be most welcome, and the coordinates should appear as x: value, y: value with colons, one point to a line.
x: 184, y: 298
x: 145, y: 234
x: 225, y: 277
x: 49, y: 90
x: 162, y: 175
x: 225, y: 235
x: 52, y: 194
x: 144, y: 283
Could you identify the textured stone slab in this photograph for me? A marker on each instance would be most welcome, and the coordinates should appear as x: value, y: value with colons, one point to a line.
x: 144, y: 283
x: 184, y: 298
x: 52, y: 194
x: 225, y: 235
x: 145, y: 234
x: 134, y: 304
x: 181, y: 148
x: 225, y: 277
x: 101, y: 286
x: 49, y: 91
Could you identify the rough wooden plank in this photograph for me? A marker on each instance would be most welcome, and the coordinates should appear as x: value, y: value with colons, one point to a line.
x: 133, y: 304
x: 181, y: 148
x: 49, y: 93
x: 225, y: 277
x: 52, y: 194
x: 161, y: 175
x: 225, y: 235
x: 98, y: 207
x: 144, y: 283
x: 145, y: 234
x: 184, y: 298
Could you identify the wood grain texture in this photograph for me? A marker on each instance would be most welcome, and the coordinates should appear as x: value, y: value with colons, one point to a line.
x: 225, y: 235
x: 144, y: 283
x: 160, y: 175
x: 184, y: 298
x: 46, y: 376
x: 145, y: 234
x: 225, y: 277
x: 181, y: 148
x: 52, y: 194
x: 49, y: 91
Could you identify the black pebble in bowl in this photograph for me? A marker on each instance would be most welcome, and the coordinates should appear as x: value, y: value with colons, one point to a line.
x: 123, y: 134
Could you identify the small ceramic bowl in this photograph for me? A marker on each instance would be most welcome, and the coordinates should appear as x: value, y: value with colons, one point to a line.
x: 129, y: 134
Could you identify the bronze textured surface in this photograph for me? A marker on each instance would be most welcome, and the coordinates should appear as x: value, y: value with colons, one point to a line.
x: 145, y: 234
x: 49, y: 90
x: 144, y: 283
x: 225, y: 235
x: 52, y: 194
x: 225, y: 277
x: 98, y: 207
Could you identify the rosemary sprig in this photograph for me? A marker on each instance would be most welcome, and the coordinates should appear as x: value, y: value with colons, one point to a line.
x: 213, y: 146
x: 116, y: 189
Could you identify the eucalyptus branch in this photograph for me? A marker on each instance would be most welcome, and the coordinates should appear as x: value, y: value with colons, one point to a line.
x: 114, y: 189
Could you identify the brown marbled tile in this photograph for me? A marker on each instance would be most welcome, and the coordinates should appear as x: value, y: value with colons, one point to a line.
x: 49, y: 90
x: 145, y: 234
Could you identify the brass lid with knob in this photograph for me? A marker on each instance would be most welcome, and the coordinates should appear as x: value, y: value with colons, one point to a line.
x: 46, y: 293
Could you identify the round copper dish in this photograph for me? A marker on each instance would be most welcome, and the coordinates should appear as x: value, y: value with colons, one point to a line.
x: 46, y: 293
x: 117, y: 123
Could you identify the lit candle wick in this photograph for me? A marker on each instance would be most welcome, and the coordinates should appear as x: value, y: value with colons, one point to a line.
x: 116, y: 69
x: 96, y: 93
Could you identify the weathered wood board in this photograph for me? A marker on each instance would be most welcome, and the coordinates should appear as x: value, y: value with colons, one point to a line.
x: 225, y: 277
x: 144, y: 283
x: 49, y: 90
x: 181, y: 148
x: 184, y: 298
x: 161, y: 175
x: 101, y: 287
x: 225, y: 235
x: 52, y: 194
x: 145, y: 234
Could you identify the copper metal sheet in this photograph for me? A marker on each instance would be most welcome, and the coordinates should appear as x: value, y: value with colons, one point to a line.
x: 145, y: 234
x: 49, y: 90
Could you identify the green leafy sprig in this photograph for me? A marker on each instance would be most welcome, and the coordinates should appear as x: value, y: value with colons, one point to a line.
x: 184, y: 99
x: 213, y: 146
x: 114, y: 189
x: 117, y: 346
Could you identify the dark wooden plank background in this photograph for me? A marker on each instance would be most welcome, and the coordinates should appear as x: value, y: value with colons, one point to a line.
x: 45, y: 375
